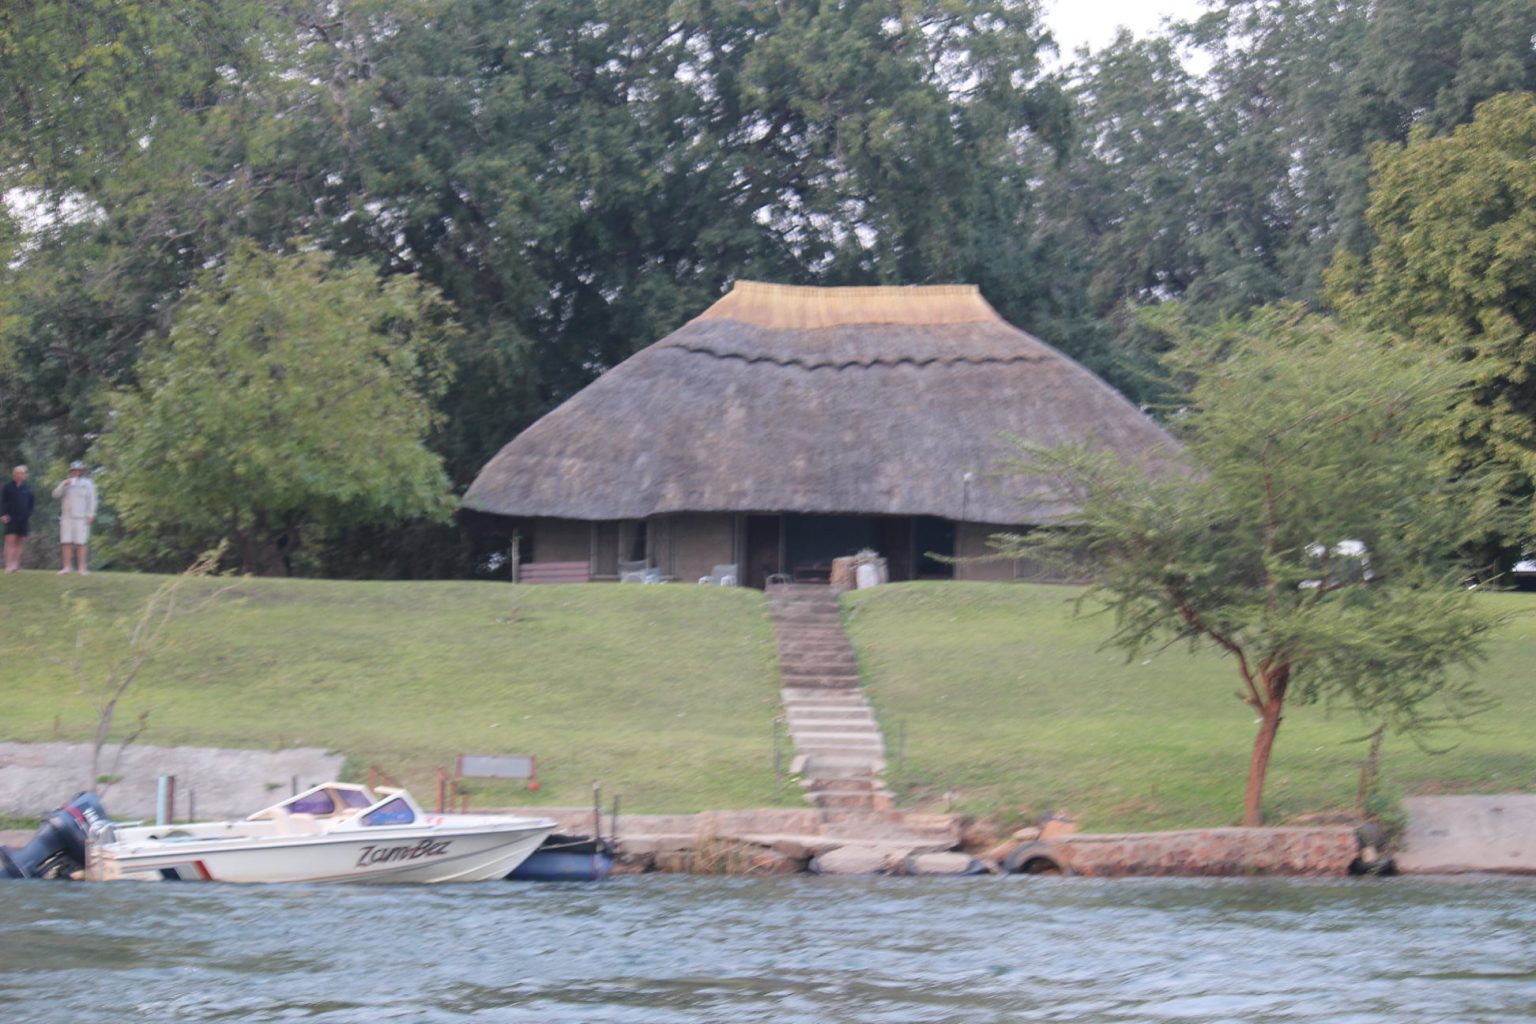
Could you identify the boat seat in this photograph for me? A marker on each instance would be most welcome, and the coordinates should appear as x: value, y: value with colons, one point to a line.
x: 296, y: 823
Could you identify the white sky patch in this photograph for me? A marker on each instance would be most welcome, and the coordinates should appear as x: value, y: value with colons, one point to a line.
x: 1092, y: 23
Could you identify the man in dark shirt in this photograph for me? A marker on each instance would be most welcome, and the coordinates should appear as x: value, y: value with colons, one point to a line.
x: 16, y: 504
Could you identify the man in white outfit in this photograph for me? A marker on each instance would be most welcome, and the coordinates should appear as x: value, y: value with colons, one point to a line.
x: 77, y: 511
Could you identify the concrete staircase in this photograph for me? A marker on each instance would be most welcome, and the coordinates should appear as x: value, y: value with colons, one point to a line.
x: 839, y: 752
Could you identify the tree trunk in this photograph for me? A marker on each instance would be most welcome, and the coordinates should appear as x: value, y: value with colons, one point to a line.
x: 1258, y: 765
x: 1274, y: 685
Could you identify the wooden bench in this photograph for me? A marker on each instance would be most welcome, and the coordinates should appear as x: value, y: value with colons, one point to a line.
x: 489, y: 766
x: 554, y: 572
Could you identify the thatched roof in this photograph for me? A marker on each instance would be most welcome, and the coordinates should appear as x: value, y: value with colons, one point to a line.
x: 822, y: 400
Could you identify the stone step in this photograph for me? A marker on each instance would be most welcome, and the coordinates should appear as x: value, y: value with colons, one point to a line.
x: 842, y: 783
x: 855, y: 823
x: 821, y: 652
x: 822, y: 716
x: 838, y: 762
x: 811, y: 712
x: 818, y: 648
x: 812, y: 639
x: 817, y: 732
x: 842, y: 684
x: 811, y: 697
x: 815, y: 670
x: 823, y: 596
x: 828, y: 729
x: 828, y: 653
x: 818, y: 666
x: 852, y: 800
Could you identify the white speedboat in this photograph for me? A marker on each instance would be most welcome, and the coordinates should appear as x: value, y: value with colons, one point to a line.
x: 335, y: 832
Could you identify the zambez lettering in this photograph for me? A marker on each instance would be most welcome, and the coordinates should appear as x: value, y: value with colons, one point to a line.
x: 407, y: 851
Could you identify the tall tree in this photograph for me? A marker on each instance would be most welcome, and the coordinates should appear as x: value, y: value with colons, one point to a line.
x: 291, y: 396
x: 1306, y: 536
x: 1455, y: 264
x: 1232, y: 187
x: 137, y: 141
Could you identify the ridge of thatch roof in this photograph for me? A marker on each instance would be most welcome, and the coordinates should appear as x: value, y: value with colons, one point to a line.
x: 797, y: 307
x: 822, y: 400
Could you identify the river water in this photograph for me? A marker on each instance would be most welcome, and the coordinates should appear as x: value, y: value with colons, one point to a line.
x: 662, y: 949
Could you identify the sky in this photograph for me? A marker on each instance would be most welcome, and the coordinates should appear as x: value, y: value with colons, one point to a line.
x: 1092, y: 23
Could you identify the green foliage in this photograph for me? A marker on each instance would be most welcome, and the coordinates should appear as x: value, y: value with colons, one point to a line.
x: 1455, y: 265
x: 1233, y: 187
x: 575, y: 179
x: 578, y: 179
x: 291, y: 395
x: 1299, y: 436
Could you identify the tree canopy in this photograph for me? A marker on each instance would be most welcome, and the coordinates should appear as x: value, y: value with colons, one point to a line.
x: 1454, y: 263
x: 292, y: 394
x: 578, y: 180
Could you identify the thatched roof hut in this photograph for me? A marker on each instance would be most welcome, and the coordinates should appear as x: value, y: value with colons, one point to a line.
x: 819, y: 401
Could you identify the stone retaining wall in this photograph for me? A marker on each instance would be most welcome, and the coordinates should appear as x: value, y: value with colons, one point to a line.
x: 1217, y: 851
x: 785, y: 841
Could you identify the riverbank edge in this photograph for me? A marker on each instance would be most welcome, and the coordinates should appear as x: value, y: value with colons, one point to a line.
x: 794, y: 841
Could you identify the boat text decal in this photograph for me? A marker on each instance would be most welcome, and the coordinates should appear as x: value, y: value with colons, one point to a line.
x: 406, y: 851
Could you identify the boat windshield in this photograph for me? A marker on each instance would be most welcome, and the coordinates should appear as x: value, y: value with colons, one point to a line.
x: 354, y: 799
x: 393, y: 812
x: 318, y: 803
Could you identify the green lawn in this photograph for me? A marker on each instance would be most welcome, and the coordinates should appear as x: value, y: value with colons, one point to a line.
x: 665, y: 694
x: 668, y: 694
x: 1006, y: 700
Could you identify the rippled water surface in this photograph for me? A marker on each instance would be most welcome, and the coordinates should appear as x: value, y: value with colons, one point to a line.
x: 674, y: 949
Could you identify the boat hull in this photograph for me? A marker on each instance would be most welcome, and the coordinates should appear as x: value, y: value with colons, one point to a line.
x: 436, y: 853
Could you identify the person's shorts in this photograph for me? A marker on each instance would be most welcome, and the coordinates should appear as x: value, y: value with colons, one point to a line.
x: 74, y: 531
x: 18, y: 527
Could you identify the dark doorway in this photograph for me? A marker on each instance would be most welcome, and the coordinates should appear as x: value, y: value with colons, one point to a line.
x: 764, y: 535
x: 892, y: 539
x: 811, y: 542
x: 931, y: 537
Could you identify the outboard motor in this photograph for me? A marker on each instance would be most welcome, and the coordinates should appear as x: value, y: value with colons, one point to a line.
x: 59, y: 846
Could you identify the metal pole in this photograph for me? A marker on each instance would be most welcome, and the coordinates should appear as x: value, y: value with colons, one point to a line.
x: 778, y: 761
x: 162, y: 816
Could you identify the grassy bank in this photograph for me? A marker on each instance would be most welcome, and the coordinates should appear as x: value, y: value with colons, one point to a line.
x: 668, y: 695
x: 1006, y: 701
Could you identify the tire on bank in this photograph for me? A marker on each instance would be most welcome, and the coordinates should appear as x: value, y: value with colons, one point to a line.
x: 1037, y: 858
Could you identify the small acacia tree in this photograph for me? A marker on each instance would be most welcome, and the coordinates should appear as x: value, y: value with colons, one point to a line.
x: 107, y: 662
x: 1302, y: 441
x: 292, y: 393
